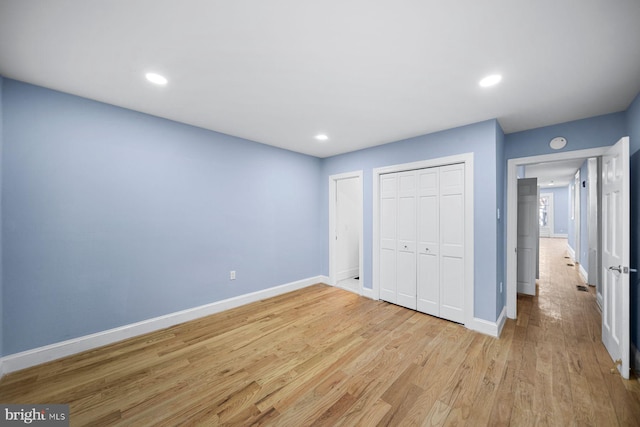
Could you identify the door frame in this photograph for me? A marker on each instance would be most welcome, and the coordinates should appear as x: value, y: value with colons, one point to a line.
x: 467, y: 159
x: 333, y: 211
x: 577, y: 222
x: 512, y: 212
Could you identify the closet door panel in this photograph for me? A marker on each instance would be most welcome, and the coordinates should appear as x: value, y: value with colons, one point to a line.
x: 452, y: 291
x: 428, y: 245
x: 388, y: 236
x: 452, y: 242
x: 406, y: 250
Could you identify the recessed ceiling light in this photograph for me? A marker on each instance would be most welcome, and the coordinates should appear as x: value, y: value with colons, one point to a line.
x: 491, y: 80
x: 156, y: 78
x: 322, y: 137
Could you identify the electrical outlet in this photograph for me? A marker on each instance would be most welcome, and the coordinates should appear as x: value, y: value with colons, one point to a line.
x: 232, y: 275
x: 500, y: 287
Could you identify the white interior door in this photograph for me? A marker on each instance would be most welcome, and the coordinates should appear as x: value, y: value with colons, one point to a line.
x: 527, y: 235
x: 429, y: 241
x: 388, y: 235
x: 452, y: 242
x: 406, y: 251
x: 347, y: 229
x: 615, y: 253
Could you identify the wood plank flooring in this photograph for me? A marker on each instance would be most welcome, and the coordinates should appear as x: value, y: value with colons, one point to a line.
x: 324, y: 356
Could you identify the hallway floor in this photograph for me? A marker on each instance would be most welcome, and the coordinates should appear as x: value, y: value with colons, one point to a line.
x: 562, y: 351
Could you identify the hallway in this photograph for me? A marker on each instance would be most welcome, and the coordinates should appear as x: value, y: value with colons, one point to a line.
x: 565, y: 367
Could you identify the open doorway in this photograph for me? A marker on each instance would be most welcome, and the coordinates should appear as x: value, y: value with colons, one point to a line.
x: 345, y: 231
x: 535, y: 166
x: 569, y: 192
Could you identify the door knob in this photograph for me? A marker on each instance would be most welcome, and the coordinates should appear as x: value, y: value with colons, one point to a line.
x: 614, y: 268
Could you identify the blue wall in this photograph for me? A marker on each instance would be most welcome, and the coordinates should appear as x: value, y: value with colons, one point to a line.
x: 594, y: 132
x: 560, y: 208
x: 633, y: 129
x: 479, y: 138
x: 112, y: 216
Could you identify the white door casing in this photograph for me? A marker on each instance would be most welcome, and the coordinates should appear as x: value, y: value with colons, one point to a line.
x: 527, y: 235
x: 615, y: 254
x: 576, y: 218
x: 512, y: 212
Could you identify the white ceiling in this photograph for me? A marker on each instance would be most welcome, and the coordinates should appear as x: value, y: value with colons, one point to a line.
x: 560, y: 172
x: 363, y: 72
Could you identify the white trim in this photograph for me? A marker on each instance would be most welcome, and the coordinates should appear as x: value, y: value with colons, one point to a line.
x: 37, y: 356
x: 512, y: 212
x: 347, y: 274
x: 572, y: 253
x: 467, y: 159
x: 600, y: 301
x: 484, y: 327
x: 368, y: 293
x: 333, y: 179
x: 560, y: 235
x: 502, y: 319
x: 583, y: 273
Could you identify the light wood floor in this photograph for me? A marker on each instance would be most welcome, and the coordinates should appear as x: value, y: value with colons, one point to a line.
x: 324, y: 356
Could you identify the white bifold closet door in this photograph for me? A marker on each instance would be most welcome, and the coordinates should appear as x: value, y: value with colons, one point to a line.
x: 422, y: 240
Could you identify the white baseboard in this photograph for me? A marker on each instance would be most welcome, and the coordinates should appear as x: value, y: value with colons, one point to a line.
x: 37, y: 356
x: 502, y: 319
x: 486, y: 327
x: 367, y: 292
x: 572, y: 253
x: 583, y: 273
x: 560, y: 235
x: 348, y: 274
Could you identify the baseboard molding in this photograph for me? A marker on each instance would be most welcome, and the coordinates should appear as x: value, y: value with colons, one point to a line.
x: 572, y: 253
x: 367, y: 292
x: 560, y: 235
x: 583, y: 273
x: 37, y: 356
x: 502, y: 319
x: 485, y: 327
x: 348, y: 274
